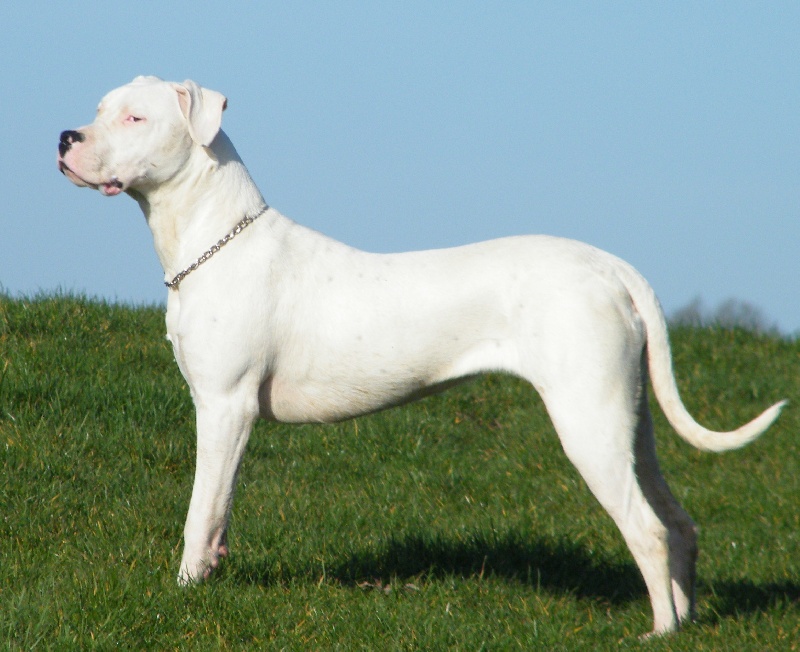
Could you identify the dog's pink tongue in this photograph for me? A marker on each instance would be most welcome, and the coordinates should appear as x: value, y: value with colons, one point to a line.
x: 111, y: 189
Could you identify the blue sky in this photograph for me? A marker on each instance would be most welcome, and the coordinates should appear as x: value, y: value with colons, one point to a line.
x: 666, y: 133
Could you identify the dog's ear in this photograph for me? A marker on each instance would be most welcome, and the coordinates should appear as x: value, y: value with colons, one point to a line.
x: 202, y: 109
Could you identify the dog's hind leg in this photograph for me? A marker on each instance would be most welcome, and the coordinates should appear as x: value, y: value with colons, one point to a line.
x: 598, y: 420
x: 223, y: 427
x: 682, y: 532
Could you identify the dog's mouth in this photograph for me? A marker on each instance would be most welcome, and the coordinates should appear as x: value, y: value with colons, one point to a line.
x: 108, y: 188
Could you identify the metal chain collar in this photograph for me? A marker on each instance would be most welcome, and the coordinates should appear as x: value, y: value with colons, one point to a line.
x: 230, y: 235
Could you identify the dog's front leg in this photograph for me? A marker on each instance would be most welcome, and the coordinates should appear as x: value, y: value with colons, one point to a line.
x: 223, y: 427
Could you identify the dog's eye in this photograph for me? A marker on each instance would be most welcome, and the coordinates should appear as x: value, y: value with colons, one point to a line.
x: 134, y: 118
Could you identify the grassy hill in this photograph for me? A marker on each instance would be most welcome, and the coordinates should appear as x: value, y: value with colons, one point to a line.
x: 455, y: 523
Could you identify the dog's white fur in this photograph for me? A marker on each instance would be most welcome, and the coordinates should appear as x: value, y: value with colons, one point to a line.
x: 290, y: 325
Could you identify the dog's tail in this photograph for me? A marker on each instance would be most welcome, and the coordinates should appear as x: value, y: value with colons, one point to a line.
x: 662, y: 377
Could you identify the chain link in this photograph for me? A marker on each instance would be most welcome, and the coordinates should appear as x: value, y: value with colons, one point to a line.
x: 230, y: 235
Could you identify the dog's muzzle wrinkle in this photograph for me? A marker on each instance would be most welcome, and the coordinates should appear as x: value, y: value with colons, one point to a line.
x: 67, y: 139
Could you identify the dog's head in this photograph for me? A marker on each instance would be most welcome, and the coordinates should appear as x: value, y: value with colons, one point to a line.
x: 143, y: 135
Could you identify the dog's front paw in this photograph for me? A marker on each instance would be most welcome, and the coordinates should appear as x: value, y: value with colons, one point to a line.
x: 198, y: 567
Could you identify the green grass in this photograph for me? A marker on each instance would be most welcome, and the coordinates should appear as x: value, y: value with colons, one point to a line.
x: 455, y: 523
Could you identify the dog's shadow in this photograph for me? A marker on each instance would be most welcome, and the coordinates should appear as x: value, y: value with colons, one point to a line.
x: 730, y: 598
x: 557, y: 566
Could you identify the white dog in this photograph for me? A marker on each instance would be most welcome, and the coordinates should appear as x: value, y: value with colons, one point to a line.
x: 289, y: 325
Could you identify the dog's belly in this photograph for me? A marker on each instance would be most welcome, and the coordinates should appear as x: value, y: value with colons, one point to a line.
x: 316, y: 404
x: 351, y: 391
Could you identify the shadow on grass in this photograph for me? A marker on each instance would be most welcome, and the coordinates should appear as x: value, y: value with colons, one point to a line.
x: 556, y: 566
x: 730, y: 598
x: 559, y: 566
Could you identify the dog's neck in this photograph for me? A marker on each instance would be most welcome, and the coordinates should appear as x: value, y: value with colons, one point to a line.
x: 188, y: 214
